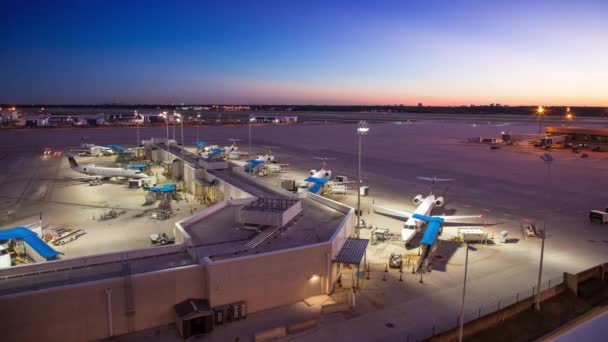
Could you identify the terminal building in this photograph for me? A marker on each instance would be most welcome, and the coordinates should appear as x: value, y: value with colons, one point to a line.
x: 260, y: 247
x: 593, y: 138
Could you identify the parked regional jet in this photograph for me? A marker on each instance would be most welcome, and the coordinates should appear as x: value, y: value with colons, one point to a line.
x: 317, y: 178
x: 424, y: 207
x: 106, y: 172
x: 268, y: 157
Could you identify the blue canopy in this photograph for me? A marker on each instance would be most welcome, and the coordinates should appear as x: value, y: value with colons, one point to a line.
x: 216, y: 152
x: 116, y: 147
x: 432, y: 228
x: 252, y: 164
x: 137, y: 166
x: 31, y: 239
x: 319, y: 182
x: 164, y: 188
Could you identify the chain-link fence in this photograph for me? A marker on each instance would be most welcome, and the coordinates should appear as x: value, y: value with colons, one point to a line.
x: 447, y: 322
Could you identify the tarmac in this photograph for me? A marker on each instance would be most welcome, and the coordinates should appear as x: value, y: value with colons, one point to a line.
x: 507, y: 186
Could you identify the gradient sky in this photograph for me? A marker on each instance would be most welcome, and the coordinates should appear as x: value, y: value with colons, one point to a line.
x: 448, y: 52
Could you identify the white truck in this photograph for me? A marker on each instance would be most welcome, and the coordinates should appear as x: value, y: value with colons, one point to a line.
x: 473, y: 235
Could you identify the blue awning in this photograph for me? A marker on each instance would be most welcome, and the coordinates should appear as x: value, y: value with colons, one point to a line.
x: 432, y: 228
x: 32, y: 239
x: 137, y: 166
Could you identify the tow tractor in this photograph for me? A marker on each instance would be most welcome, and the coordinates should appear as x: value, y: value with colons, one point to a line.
x: 161, y: 239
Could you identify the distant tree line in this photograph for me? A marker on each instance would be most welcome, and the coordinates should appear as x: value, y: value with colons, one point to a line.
x: 486, y: 109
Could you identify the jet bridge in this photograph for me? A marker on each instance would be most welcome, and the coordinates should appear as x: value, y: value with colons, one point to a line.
x: 428, y: 241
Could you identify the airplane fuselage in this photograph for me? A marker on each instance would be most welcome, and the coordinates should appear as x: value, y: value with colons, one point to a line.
x: 412, y: 225
x: 109, y: 172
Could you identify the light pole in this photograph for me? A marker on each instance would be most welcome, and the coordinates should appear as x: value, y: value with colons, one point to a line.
x: 180, y: 119
x: 547, y: 158
x: 137, y: 125
x: 174, y: 115
x: 569, y: 116
x: 362, y: 129
x: 540, y: 111
x: 251, y: 119
x: 198, y: 116
x: 464, y: 290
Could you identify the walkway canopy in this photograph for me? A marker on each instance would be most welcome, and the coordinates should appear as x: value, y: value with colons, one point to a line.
x: 31, y: 239
x: 352, y: 251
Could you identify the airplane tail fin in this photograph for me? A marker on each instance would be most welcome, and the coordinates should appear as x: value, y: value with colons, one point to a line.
x: 73, y: 162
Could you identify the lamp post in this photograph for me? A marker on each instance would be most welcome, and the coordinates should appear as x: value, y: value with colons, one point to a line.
x: 540, y: 111
x: 174, y: 115
x: 198, y: 116
x: 166, y: 117
x: 569, y: 116
x: 251, y: 119
x: 137, y: 125
x: 547, y: 158
x: 362, y: 129
x: 180, y: 119
x: 464, y: 291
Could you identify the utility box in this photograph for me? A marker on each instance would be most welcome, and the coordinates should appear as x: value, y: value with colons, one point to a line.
x: 364, y: 190
x: 288, y: 184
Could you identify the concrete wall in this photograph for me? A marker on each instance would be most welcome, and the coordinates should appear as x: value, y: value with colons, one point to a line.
x: 80, y: 313
x: 90, y: 260
x: 269, y: 280
x: 346, y: 228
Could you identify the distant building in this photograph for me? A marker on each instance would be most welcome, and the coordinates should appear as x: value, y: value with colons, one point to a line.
x: 34, y: 121
x: 276, y: 119
x: 8, y: 116
x: 594, y: 138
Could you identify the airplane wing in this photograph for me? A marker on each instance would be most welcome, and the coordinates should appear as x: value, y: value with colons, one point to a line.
x: 435, y: 179
x: 458, y: 219
x: 401, y: 214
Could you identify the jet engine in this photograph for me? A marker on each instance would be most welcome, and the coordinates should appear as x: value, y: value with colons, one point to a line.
x: 439, y: 201
x: 418, y: 199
